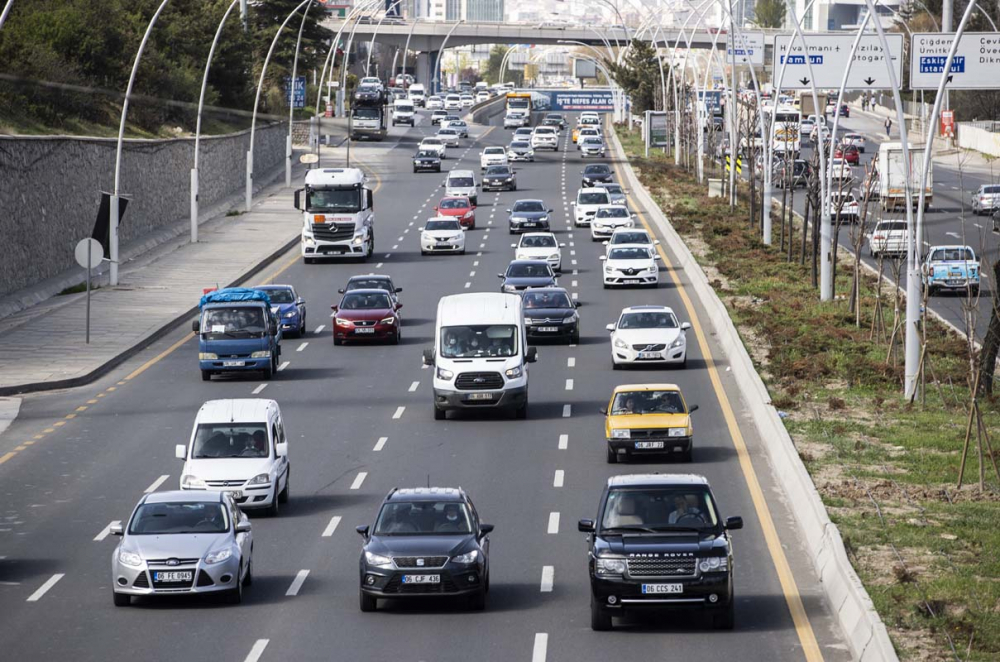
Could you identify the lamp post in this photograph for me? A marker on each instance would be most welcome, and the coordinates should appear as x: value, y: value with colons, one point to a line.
x: 291, y: 97
x: 371, y: 45
x: 347, y: 55
x: 113, y: 206
x: 444, y: 44
x: 197, y: 130
x: 406, y: 48
x: 6, y: 10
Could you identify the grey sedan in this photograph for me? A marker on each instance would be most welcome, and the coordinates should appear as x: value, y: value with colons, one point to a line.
x: 188, y: 542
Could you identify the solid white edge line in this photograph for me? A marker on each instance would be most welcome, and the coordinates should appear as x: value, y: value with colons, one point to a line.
x: 540, y: 649
x: 548, y: 578
x: 106, y: 531
x: 360, y: 478
x: 331, y: 527
x: 300, y: 579
x: 559, y: 478
x: 380, y: 444
x: 399, y: 412
x: 156, y: 483
x: 563, y: 442
x: 43, y: 589
x: 257, y: 650
x: 553, y: 522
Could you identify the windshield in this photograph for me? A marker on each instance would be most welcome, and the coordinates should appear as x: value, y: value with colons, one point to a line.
x: 461, y: 181
x: 630, y: 238
x: 648, y: 320
x: 952, y: 254
x: 612, y: 212
x: 477, y: 341
x: 370, y: 284
x: 366, y: 301
x: 442, y: 225
x: 498, y: 171
x: 596, y: 170
x: 654, y: 509
x: 236, y: 322
x: 891, y: 226
x: 628, y: 254
x: 529, y: 205
x: 538, y: 241
x: 279, y: 296
x: 224, y: 440
x: 519, y: 145
x: 647, y: 402
x: 545, y: 130
x: 404, y: 108
x: 431, y: 141
x: 427, y: 155
x: 173, y: 518
x: 367, y: 113
x: 493, y: 150
x: 454, y: 203
x: 526, y: 270
x: 592, y: 140
x: 593, y: 198
x: 422, y: 518
x: 616, y: 189
x: 546, y: 300
x: 447, y: 132
x: 347, y: 200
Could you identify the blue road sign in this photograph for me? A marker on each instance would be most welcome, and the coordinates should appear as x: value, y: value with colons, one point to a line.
x: 300, y: 91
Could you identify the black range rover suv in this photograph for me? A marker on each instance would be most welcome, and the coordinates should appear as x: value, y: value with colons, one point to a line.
x: 426, y: 542
x: 659, y: 542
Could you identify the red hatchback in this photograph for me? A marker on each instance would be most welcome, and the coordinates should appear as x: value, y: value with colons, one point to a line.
x: 849, y: 153
x: 459, y: 207
x: 366, y: 315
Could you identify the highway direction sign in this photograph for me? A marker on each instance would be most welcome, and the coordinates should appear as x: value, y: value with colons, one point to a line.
x: 830, y: 56
x: 974, y: 67
x: 749, y: 48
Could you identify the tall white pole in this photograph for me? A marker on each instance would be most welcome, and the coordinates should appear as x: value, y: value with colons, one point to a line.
x: 197, y: 129
x: 444, y: 44
x: 371, y: 45
x: 291, y: 98
x: 256, y: 104
x: 113, y: 248
x: 6, y: 10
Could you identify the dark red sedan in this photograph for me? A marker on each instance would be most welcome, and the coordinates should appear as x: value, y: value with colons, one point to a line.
x: 849, y: 153
x: 366, y: 316
x: 459, y: 207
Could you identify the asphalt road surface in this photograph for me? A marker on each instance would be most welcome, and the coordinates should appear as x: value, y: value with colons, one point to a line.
x: 359, y: 422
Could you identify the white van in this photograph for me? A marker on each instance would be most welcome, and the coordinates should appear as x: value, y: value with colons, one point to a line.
x: 403, y: 112
x: 238, y: 446
x: 480, y: 355
x: 418, y: 95
x: 462, y: 182
x: 588, y: 200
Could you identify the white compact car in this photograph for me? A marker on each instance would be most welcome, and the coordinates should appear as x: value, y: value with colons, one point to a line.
x: 434, y: 103
x: 513, y: 120
x: 468, y: 101
x: 453, y: 102
x: 588, y: 201
x: 458, y: 125
x: 238, y: 446
x: 432, y: 144
x: 648, y: 334
x: 545, y: 137
x: 437, y: 116
x: 608, y: 219
x: 855, y: 139
x: 887, y: 239
x: 630, y: 265
x: 442, y: 235
x: 492, y: 156
x: 539, y: 246
x: 522, y: 133
x: 482, y: 95
x: 450, y: 137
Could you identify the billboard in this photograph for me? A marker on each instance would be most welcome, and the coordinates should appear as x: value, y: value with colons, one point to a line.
x: 299, y: 91
x: 584, y: 68
x: 574, y: 100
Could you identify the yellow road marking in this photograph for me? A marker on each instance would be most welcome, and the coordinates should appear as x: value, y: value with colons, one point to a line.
x: 70, y: 416
x: 112, y: 388
x: 145, y: 366
x: 6, y: 456
x: 29, y: 443
x: 81, y: 408
x: 59, y: 424
x: 20, y: 448
x: 48, y: 430
x: 803, y: 628
x: 39, y: 436
x: 91, y: 402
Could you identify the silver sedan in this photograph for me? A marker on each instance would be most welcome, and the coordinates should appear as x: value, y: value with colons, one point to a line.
x: 183, y: 543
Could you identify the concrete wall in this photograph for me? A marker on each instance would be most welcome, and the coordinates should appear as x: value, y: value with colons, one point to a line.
x: 981, y: 140
x: 50, y: 190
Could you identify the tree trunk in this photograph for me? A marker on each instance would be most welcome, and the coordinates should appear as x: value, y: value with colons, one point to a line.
x: 991, y: 343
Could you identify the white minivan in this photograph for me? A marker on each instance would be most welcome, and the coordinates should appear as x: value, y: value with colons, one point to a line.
x: 480, y: 355
x: 462, y: 183
x: 403, y: 112
x: 238, y: 446
x: 417, y: 95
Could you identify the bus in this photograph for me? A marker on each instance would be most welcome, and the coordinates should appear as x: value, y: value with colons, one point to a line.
x: 787, y: 138
x: 519, y: 101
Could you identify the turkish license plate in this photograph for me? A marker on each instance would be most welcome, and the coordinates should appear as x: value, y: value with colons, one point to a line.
x: 548, y: 329
x: 480, y: 396
x: 649, y: 355
x: 421, y: 579
x: 233, y: 364
x: 531, y: 224
x: 647, y: 445
x: 631, y: 281
x: 653, y: 589
x: 336, y: 250
x: 172, y: 576
x: 365, y: 329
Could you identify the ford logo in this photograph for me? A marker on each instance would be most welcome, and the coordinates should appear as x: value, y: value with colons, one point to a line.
x: 173, y: 562
x: 478, y: 380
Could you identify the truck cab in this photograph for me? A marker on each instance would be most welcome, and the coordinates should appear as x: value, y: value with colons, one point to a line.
x: 368, y: 114
x: 237, y: 332
x: 338, y: 216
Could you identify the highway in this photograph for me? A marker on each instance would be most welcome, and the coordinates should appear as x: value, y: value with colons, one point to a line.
x: 359, y: 422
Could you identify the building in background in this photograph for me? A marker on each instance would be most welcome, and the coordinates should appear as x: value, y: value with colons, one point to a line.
x: 484, y: 11
x: 840, y: 14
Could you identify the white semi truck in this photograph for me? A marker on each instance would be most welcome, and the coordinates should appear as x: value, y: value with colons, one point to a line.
x: 338, y: 214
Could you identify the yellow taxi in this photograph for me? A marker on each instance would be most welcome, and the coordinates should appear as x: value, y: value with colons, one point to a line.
x: 576, y: 132
x: 646, y: 419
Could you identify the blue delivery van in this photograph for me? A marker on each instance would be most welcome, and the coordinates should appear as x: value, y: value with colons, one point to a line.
x: 237, y: 332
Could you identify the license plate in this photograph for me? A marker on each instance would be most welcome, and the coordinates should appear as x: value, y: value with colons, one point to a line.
x: 480, y: 396
x: 649, y: 355
x: 233, y: 364
x: 172, y: 576
x: 653, y: 589
x: 531, y: 225
x: 631, y: 281
x: 421, y: 579
x: 367, y: 329
x: 646, y: 445
x: 548, y: 329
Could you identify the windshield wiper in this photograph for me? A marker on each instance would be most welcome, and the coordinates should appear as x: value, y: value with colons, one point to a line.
x: 628, y: 527
x: 659, y: 529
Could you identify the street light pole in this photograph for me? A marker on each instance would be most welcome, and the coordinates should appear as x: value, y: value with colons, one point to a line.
x: 371, y: 46
x: 291, y: 98
x: 444, y: 44
x: 406, y: 48
x: 6, y: 10
x: 113, y: 211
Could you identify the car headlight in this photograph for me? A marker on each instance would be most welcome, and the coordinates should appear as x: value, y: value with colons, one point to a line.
x: 714, y: 564
x: 191, y: 482
x: 678, y: 432
x: 651, y: 269
x: 509, y: 288
x: 290, y: 314
x: 620, y: 344
x: 514, y: 373
x: 129, y: 558
x: 310, y: 241
x: 544, y: 219
x: 358, y: 240
x: 445, y: 374
x: 679, y: 342
x: 608, y: 268
x: 572, y: 317
x: 467, y: 214
x: 218, y: 556
x: 467, y: 558
x: 610, y: 566
x: 554, y: 256
x: 260, y: 479
x: 620, y: 433
x: 207, y: 356
x: 261, y: 354
x: 387, y: 320
x: 342, y: 322
x: 378, y: 560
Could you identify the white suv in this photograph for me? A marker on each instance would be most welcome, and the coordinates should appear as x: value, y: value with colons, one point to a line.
x: 492, y: 156
x: 545, y: 137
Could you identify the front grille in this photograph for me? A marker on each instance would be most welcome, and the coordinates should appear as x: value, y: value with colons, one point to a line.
x: 396, y: 585
x: 655, y: 433
x: 204, y: 579
x: 670, y: 567
x: 178, y: 562
x: 411, y: 561
x: 479, y: 381
x: 333, y: 231
x: 365, y: 323
x: 142, y: 581
x: 543, y: 321
x: 225, y: 483
x: 649, y: 348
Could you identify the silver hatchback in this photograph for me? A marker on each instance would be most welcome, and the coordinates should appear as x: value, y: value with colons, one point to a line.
x: 183, y: 543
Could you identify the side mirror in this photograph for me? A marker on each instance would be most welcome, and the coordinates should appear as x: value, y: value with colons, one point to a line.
x: 549, y: 210
x: 657, y: 257
x: 685, y: 326
x: 244, y: 527
x: 513, y: 245
x: 428, y: 357
x: 341, y: 291
x: 656, y: 242
x: 734, y: 523
x: 300, y: 301
x: 485, y: 529
x: 500, y: 276
x: 585, y: 526
x: 605, y: 243
x: 334, y: 308
x: 281, y: 450
x: 602, y: 258
x: 421, y: 228
x: 298, y: 199
x: 693, y: 409
x: 573, y: 204
x: 362, y: 531
x: 610, y: 327
x: 180, y: 452
x: 531, y: 355
x: 508, y: 210
x: 398, y: 290
x: 603, y: 410
x: 398, y: 305
x: 370, y: 198
x: 196, y: 326
x: 117, y: 529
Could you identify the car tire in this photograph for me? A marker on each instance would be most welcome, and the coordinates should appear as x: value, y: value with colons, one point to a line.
x: 367, y: 602
x: 235, y: 596
x: 575, y: 339
x: 612, y: 456
x: 269, y: 370
x: 725, y: 618
x: 600, y: 619
x: 121, y: 599
x: 521, y: 412
x: 274, y: 509
x: 615, y: 365
x: 477, y: 602
x: 248, y: 579
x: 302, y: 327
x: 286, y: 492
x: 440, y: 414
x: 688, y: 455
x: 309, y: 260
x: 206, y: 375
x: 337, y: 341
x: 606, y: 286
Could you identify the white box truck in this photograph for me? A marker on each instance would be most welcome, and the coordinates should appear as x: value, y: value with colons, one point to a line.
x: 480, y: 355
x: 338, y: 214
x: 892, y: 176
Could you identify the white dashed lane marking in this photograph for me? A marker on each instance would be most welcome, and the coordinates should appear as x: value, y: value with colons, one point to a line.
x: 44, y: 588
x: 559, y: 478
x: 300, y: 579
x: 414, y: 386
x: 553, y: 523
x: 258, y: 650
x: 571, y: 362
x: 563, y: 442
x: 380, y: 444
x: 284, y: 365
x: 567, y: 410
x: 399, y: 412
x: 358, y: 480
x: 106, y: 531
x: 548, y: 577
x: 156, y: 483
x: 569, y: 384
x: 260, y: 388
x: 332, y: 526
x: 319, y: 329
